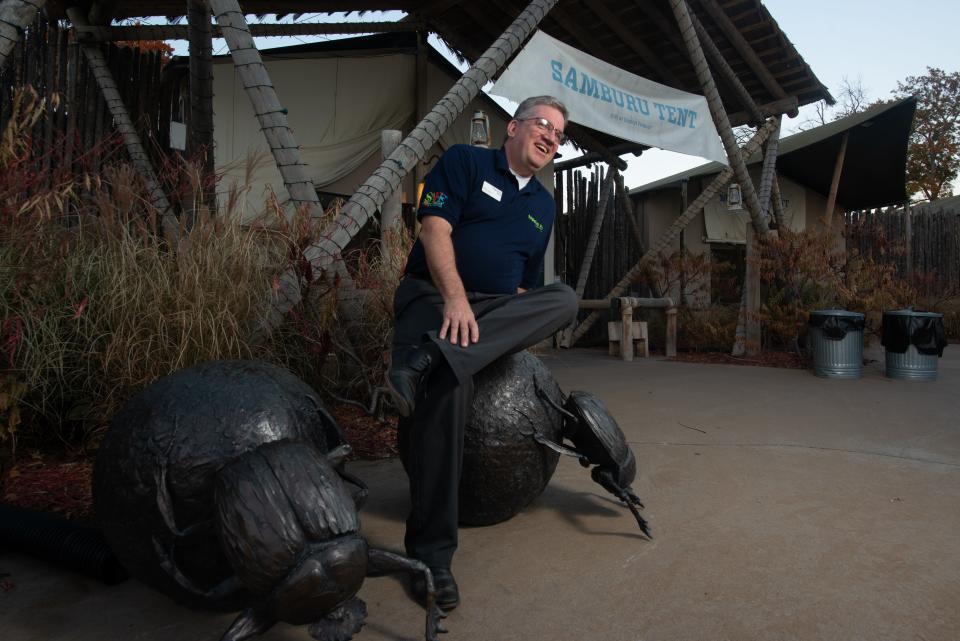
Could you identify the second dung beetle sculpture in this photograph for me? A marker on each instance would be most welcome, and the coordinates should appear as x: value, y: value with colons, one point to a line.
x: 223, y: 486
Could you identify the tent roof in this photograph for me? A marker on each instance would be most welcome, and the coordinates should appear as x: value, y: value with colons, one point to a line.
x: 874, y: 166
x: 641, y: 37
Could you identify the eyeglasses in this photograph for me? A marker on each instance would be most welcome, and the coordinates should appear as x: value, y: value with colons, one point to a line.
x: 545, y: 125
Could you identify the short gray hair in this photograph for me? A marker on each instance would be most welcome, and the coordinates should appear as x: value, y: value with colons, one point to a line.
x: 525, y: 110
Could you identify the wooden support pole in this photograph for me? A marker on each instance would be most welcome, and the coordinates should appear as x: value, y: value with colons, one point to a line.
x: 390, y: 218
x: 592, y: 157
x: 671, y: 343
x: 743, y: 47
x: 627, y: 206
x: 908, y: 233
x: 747, y: 336
x: 420, y: 101
x: 270, y: 113
x: 584, y: 138
x: 200, y: 138
x: 726, y: 71
x: 719, y: 113
x: 769, y: 170
x: 835, y: 182
x: 673, y: 230
x: 370, y: 196
x: 592, y: 241
x: 786, y: 105
x: 15, y: 16
x: 131, y: 140
x: 594, y: 237
x: 779, y: 214
x: 626, y: 332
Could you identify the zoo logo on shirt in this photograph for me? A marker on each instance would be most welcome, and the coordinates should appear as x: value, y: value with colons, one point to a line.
x: 434, y: 199
x: 536, y: 223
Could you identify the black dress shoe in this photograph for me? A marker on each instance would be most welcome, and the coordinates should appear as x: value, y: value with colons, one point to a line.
x: 448, y: 594
x: 405, y: 378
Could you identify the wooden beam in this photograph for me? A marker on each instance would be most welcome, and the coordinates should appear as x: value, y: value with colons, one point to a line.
x: 124, y: 125
x: 182, y: 32
x: 592, y: 157
x: 835, y: 182
x: 587, y: 140
x: 726, y: 71
x: 594, y: 237
x: 480, y: 14
x: 667, y: 26
x: 200, y: 138
x: 267, y: 108
x: 769, y: 170
x: 743, y: 47
x: 15, y: 16
x: 682, y: 13
x: 785, y: 106
x: 667, y: 237
x: 616, y: 25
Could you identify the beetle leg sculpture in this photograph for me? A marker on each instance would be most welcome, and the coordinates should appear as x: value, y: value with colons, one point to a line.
x: 226, y: 589
x: 382, y: 562
x: 342, y: 623
x: 606, y: 479
x: 543, y: 440
x: 252, y: 622
x: 542, y: 394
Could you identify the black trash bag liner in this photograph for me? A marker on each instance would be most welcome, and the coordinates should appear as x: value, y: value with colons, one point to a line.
x: 835, y: 327
x: 923, y: 332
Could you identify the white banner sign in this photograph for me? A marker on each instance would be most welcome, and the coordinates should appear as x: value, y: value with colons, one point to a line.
x: 611, y: 100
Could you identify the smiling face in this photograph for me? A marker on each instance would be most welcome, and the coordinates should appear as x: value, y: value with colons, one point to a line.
x: 528, y: 147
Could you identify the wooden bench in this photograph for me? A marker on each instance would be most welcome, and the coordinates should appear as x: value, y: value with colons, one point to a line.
x: 638, y: 337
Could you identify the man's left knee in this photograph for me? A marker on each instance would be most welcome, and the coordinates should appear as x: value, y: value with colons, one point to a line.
x: 565, y: 299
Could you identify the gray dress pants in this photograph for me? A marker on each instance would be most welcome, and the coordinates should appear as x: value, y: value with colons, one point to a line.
x: 431, y: 439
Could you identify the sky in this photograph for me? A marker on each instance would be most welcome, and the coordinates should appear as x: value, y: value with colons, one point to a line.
x: 875, y: 43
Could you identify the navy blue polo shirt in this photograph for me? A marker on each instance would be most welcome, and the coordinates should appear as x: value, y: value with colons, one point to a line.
x: 500, y: 232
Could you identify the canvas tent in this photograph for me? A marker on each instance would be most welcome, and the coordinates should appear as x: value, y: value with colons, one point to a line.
x: 872, y: 174
x: 339, y: 96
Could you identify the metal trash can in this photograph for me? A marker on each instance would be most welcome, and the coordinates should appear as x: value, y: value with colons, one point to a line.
x: 836, y: 337
x: 912, y: 341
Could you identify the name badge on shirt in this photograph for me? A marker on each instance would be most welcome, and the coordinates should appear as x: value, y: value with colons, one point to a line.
x: 492, y: 191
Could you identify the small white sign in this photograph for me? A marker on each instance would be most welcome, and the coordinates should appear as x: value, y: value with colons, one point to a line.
x: 492, y: 191
x: 178, y: 135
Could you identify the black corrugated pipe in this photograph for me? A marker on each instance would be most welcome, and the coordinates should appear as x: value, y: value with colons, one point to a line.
x: 67, y: 543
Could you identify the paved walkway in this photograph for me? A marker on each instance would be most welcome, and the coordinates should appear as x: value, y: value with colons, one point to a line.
x: 784, y: 506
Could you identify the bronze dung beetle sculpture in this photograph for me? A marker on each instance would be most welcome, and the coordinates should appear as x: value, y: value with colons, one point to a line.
x: 222, y: 485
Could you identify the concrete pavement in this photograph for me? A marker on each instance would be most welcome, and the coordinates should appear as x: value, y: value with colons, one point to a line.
x: 784, y: 507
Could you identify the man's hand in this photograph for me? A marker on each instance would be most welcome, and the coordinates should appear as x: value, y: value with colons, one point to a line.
x: 458, y: 318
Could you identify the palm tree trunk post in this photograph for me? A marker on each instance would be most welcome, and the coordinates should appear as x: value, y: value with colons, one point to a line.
x: 131, y: 140
x: 266, y: 105
x: 682, y: 13
x: 15, y: 16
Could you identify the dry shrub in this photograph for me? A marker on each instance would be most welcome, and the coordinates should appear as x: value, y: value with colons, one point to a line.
x: 806, y: 271
x: 95, y: 305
